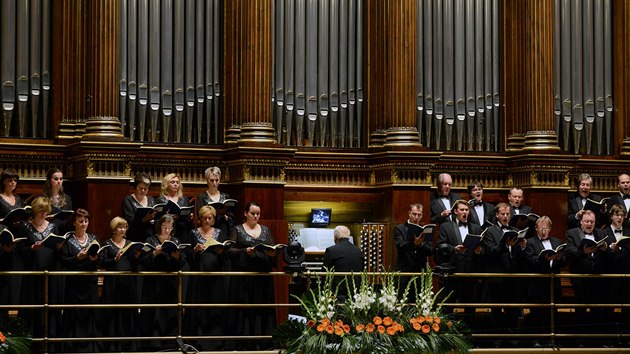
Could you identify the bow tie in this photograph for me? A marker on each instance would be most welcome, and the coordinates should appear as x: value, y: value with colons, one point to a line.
x: 618, y: 231
x: 505, y: 228
x: 626, y: 196
x: 460, y: 224
x: 588, y: 235
x: 475, y: 203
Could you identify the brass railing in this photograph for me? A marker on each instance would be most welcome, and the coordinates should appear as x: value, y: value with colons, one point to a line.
x: 554, y: 306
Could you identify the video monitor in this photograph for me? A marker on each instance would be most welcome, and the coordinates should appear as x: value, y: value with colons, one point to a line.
x: 320, y: 217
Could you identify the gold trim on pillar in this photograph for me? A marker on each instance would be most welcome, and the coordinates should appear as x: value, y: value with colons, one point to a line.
x: 257, y: 132
x: 103, y: 127
x: 402, y: 136
x: 377, y: 138
x: 625, y: 147
x: 541, y: 140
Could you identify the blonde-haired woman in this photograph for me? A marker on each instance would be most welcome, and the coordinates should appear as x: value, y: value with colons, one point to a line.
x: 38, y: 257
x: 225, y: 219
x: 119, y: 322
x: 206, y: 289
x: 172, y: 190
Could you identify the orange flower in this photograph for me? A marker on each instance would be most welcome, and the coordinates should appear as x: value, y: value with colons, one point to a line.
x: 321, y: 327
x: 387, y: 321
x: 428, y: 319
x: 436, y: 327
x: 369, y: 328
x: 420, y: 319
x: 449, y: 324
x: 330, y: 329
x: 426, y: 328
x: 339, y: 331
x: 437, y: 320
x: 416, y: 326
x: 310, y: 323
x: 398, y: 327
x: 381, y: 329
x: 325, y: 322
x: 377, y: 320
x: 391, y: 330
x: 2, y: 338
x: 346, y: 328
x: 413, y: 320
x: 360, y: 327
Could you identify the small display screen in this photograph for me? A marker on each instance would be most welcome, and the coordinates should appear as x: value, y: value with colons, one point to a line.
x: 320, y: 217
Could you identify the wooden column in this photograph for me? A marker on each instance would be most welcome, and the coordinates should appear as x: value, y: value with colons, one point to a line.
x: 621, y: 73
x: 391, y: 75
x: 247, y: 70
x: 528, y: 72
x: 85, y: 67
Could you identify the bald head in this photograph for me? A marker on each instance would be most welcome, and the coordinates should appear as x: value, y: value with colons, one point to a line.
x: 341, y: 232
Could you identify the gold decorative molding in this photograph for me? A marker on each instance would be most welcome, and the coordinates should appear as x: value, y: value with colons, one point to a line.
x: 258, y: 170
x: 330, y: 174
x: 541, y: 175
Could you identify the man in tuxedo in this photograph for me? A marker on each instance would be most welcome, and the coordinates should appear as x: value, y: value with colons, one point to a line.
x: 343, y: 256
x: 538, y: 289
x: 587, y: 259
x: 578, y: 199
x: 412, y: 253
x: 443, y: 199
x: 480, y: 211
x: 623, y: 198
x: 619, y: 263
x: 501, y: 256
x: 515, y: 198
x: 452, y: 236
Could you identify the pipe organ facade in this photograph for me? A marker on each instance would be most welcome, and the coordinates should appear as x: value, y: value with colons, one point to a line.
x: 366, y: 100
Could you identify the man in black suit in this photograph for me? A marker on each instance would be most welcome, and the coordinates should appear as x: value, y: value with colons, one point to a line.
x: 578, y: 199
x: 480, y: 211
x: 452, y: 235
x: 515, y: 197
x: 443, y: 199
x: 585, y: 259
x: 343, y: 256
x: 623, y: 198
x: 538, y: 289
x: 412, y: 253
x: 501, y: 255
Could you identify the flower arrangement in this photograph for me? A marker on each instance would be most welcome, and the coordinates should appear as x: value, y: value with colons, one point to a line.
x: 374, y: 318
x: 14, y: 339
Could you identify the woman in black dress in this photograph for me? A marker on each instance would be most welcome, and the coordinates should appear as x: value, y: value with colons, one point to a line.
x: 161, y: 289
x: 38, y: 257
x: 225, y: 218
x: 53, y: 190
x: 173, y: 190
x: 118, y: 321
x: 206, y: 289
x: 253, y: 289
x: 8, y: 199
x: 10, y: 286
x: 140, y: 227
x: 80, y: 289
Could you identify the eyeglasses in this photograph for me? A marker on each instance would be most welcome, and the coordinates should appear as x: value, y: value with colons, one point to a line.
x: 543, y: 228
x: 167, y: 227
